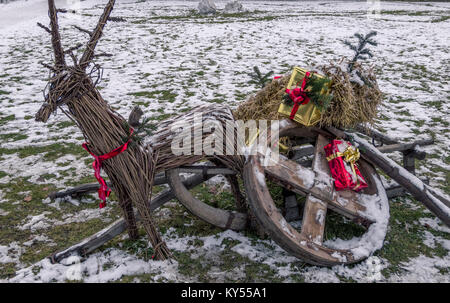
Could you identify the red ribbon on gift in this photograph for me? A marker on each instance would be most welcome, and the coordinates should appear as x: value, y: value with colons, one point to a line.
x: 298, y: 95
x: 104, y: 191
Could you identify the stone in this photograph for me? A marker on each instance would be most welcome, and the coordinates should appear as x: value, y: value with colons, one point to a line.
x: 233, y: 7
x: 206, y: 7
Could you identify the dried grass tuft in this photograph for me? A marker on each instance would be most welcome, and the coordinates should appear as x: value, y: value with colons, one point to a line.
x: 353, y: 102
x: 264, y: 104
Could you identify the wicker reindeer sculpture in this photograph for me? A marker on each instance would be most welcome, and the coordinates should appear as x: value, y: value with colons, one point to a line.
x: 129, y: 164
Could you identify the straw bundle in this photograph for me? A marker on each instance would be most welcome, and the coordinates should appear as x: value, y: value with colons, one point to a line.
x: 354, y: 101
x: 264, y: 104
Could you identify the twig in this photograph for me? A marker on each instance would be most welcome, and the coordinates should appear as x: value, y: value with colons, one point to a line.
x: 44, y: 27
x: 56, y: 37
x: 103, y: 55
x: 117, y: 19
x: 73, y: 48
x: 83, y: 30
x: 96, y: 35
x: 74, y: 58
x: 48, y: 66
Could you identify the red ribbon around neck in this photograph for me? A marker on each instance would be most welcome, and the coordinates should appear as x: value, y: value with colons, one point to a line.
x: 298, y: 95
x: 104, y: 191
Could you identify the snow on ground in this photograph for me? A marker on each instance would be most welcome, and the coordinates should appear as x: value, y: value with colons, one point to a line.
x: 168, y: 60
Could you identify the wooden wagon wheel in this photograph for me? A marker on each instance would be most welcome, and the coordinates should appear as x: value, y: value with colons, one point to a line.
x: 369, y: 207
x: 225, y: 219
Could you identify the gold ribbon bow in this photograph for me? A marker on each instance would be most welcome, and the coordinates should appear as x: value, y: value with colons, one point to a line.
x: 351, y: 154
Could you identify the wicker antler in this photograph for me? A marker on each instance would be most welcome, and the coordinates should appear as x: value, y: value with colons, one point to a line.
x: 88, y: 54
x: 95, y: 35
x: 58, y: 51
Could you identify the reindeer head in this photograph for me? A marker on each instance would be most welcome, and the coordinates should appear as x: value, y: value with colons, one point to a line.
x: 67, y: 82
x: 55, y: 94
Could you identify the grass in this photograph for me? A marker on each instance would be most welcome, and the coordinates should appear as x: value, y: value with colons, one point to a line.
x: 192, y: 15
x: 13, y: 137
x: 405, y: 237
x: 19, y: 208
x: 65, y: 124
x: 440, y: 19
x: 4, y: 120
x: 49, y: 152
x: 161, y: 95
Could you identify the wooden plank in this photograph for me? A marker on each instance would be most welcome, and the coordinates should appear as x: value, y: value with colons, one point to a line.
x: 313, y: 222
x: 314, y: 213
x: 93, y: 187
x: 303, y: 180
x: 210, y: 170
x: 395, y: 191
x: 302, y: 151
x: 375, y: 134
x: 404, y: 146
x: 160, y: 179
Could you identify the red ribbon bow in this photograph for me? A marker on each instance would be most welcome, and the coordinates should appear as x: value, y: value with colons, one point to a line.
x: 298, y: 95
x: 104, y: 191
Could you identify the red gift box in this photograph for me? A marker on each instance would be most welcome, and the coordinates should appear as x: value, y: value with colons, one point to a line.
x: 342, y: 157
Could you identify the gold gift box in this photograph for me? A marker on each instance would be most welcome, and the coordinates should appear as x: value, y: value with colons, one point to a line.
x: 307, y: 114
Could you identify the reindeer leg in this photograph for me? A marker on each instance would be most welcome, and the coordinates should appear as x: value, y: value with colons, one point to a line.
x: 129, y: 217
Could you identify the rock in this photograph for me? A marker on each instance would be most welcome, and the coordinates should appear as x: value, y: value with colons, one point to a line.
x: 206, y: 7
x: 233, y: 7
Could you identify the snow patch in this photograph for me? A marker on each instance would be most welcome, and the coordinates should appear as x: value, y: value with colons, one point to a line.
x: 377, y: 207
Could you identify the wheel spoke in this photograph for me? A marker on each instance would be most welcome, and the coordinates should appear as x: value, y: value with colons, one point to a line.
x: 319, y: 184
x: 313, y: 223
